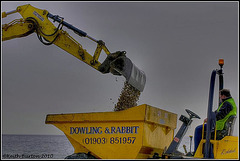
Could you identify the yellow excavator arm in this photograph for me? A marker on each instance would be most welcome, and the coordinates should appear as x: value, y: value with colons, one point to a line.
x: 37, y: 20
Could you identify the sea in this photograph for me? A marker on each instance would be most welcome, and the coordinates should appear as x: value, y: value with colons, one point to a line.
x: 47, y: 147
x: 35, y: 147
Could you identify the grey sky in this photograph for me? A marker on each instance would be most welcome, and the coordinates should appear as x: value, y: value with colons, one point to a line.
x: 177, y: 45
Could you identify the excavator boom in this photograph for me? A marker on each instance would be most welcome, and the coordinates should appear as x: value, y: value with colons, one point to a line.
x: 37, y: 20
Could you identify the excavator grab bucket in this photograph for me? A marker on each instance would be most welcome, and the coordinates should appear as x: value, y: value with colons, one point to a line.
x: 133, y: 75
x: 118, y: 64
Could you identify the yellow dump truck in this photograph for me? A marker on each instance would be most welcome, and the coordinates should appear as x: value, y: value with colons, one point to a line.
x: 143, y: 132
x: 135, y: 133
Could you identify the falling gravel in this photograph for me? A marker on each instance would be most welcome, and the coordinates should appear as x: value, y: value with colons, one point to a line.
x: 128, y: 97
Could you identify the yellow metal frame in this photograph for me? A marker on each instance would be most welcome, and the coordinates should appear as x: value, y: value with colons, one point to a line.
x: 22, y: 27
x: 226, y: 148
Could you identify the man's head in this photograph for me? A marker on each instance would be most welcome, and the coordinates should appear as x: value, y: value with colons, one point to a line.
x: 224, y: 93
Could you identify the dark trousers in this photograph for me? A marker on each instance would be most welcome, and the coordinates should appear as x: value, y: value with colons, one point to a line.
x: 198, y: 135
x: 198, y: 138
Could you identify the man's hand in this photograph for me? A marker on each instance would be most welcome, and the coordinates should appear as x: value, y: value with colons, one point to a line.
x: 205, y: 120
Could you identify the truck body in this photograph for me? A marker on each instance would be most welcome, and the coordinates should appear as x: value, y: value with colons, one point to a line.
x: 135, y: 133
